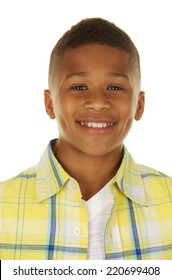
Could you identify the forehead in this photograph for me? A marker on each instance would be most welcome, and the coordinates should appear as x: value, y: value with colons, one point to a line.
x: 95, y: 56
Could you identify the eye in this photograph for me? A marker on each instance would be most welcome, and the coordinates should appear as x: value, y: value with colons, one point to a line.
x: 79, y: 87
x: 114, y: 88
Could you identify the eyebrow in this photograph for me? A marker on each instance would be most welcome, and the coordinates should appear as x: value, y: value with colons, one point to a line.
x: 85, y: 74
x: 117, y: 74
x: 77, y: 74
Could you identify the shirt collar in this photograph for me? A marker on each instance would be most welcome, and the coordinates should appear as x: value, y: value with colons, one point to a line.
x: 129, y: 179
x: 51, y: 177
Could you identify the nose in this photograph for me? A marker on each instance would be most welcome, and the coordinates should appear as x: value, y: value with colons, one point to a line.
x: 97, y: 101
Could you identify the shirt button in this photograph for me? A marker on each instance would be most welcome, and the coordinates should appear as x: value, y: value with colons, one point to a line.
x: 77, y: 231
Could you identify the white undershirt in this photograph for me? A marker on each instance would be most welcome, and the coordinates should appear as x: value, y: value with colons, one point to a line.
x: 98, y: 210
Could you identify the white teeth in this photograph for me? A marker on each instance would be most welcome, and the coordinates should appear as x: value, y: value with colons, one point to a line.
x: 96, y: 125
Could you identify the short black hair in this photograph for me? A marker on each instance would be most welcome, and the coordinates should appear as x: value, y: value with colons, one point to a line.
x: 94, y: 31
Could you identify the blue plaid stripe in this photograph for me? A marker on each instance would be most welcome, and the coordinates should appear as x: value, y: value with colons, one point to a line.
x: 136, y: 244
x: 52, y: 232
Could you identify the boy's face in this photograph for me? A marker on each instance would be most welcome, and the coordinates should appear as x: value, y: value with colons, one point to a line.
x: 95, y: 98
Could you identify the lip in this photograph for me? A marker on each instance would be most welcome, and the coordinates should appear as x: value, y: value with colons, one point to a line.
x: 96, y: 126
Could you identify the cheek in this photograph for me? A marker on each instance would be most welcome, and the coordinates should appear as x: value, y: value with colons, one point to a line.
x: 126, y: 116
x: 64, y: 111
x: 127, y: 110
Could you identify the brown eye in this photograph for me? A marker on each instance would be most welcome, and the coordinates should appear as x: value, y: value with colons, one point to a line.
x: 79, y: 87
x: 115, y: 88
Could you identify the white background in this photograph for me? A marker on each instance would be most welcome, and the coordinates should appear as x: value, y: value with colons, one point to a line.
x: 29, y: 31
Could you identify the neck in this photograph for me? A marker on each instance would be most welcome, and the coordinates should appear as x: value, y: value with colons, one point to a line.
x: 91, y: 172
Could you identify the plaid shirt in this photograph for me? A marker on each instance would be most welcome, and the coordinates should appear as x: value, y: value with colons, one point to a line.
x: 42, y: 215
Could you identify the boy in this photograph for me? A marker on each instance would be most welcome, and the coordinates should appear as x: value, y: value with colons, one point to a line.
x: 87, y: 198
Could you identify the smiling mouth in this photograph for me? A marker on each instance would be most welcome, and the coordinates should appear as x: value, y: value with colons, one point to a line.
x: 97, y: 125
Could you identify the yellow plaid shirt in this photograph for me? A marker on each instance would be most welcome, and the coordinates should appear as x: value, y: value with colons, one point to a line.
x: 42, y: 215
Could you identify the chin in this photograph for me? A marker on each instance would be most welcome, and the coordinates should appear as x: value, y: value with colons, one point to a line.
x: 96, y: 151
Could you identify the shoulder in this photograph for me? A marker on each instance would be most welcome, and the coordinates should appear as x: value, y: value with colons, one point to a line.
x: 143, y: 171
x: 15, y: 184
x: 146, y: 171
x: 155, y: 182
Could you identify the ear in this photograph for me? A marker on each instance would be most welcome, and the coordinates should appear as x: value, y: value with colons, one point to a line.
x: 49, y: 104
x: 140, y: 106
